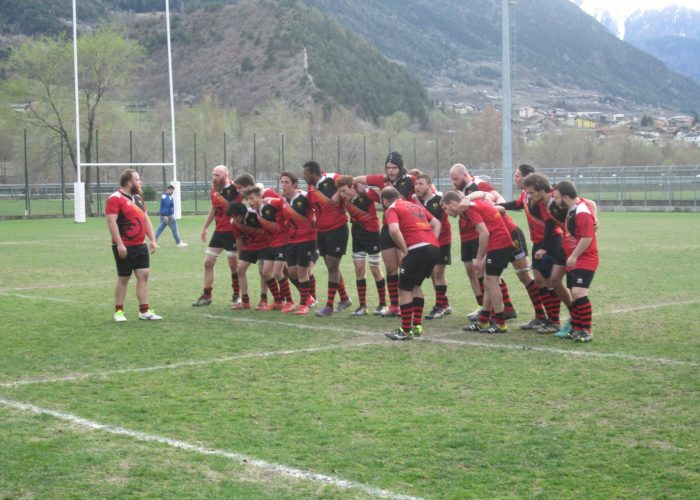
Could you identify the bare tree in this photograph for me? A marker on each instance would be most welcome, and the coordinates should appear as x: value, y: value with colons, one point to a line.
x: 41, y: 74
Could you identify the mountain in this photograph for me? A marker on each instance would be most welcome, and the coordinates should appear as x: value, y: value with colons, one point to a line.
x: 670, y: 33
x: 555, y: 45
x: 247, y: 53
x: 447, y: 45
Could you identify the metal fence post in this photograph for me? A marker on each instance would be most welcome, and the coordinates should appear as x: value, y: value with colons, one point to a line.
x: 63, y: 184
x: 622, y: 187
x: 255, y: 158
x: 162, y: 148
x: 364, y: 152
x: 27, y: 206
x: 284, y: 165
x: 670, y: 187
x: 196, y: 211
x: 415, y: 163
x: 97, y: 171
x: 437, y: 162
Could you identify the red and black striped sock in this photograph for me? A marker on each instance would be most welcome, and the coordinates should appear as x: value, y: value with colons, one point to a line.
x: 406, y: 316
x: 312, y: 286
x: 143, y: 308
x: 393, y: 284
x: 342, y: 291
x: 284, y: 289
x: 552, y: 303
x: 418, y: 305
x: 507, y: 304
x: 575, y: 316
x: 303, y: 292
x: 381, y: 291
x: 245, y: 298
x: 332, y: 290
x: 206, y: 292
x: 274, y: 289
x: 234, y: 284
x: 584, y: 313
x: 362, y: 292
x: 263, y: 297
x: 440, y: 296
x: 118, y: 307
x: 484, y: 316
x: 536, y: 300
x: 499, y: 319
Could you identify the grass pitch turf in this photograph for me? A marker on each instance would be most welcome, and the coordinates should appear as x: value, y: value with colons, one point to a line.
x: 449, y: 416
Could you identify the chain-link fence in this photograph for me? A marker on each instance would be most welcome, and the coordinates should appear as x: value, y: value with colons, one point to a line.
x: 38, y: 181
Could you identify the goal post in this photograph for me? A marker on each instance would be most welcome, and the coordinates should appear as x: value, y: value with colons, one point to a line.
x: 79, y: 185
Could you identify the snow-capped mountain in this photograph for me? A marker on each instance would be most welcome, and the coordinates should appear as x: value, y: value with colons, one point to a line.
x: 667, y: 29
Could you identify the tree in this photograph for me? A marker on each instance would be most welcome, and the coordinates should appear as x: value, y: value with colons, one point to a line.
x: 41, y: 73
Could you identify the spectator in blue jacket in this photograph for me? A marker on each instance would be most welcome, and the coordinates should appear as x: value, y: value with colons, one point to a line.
x: 167, y: 216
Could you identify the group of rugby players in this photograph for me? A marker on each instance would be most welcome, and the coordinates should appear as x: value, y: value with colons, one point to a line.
x: 288, y: 231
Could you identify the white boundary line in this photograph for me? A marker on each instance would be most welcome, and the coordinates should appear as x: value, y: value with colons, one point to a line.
x: 51, y: 242
x: 489, y: 345
x: 151, y: 279
x: 51, y: 299
x: 238, y: 457
x: 173, y: 366
x: 648, y: 306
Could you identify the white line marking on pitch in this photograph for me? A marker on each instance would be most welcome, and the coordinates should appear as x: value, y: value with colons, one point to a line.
x: 584, y: 354
x: 518, y: 347
x: 649, y: 306
x: 32, y: 297
x: 238, y: 457
x: 152, y: 279
x: 204, y: 362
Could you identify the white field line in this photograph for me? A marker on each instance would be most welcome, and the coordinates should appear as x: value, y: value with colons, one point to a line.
x: 489, y: 345
x: 173, y: 366
x: 648, y: 306
x: 583, y: 354
x: 151, y: 279
x: 32, y: 297
x: 245, y: 460
x: 52, y: 242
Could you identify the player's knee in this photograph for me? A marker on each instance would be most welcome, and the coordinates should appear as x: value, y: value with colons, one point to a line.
x: 359, y: 256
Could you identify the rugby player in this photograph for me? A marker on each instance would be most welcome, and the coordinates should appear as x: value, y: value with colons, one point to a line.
x: 493, y: 254
x: 394, y: 176
x: 301, y: 245
x: 129, y: 226
x: 270, y: 217
x: 360, y: 204
x: 332, y: 232
x: 223, y: 192
x: 465, y: 183
x: 415, y: 233
x: 432, y: 201
x: 581, y: 250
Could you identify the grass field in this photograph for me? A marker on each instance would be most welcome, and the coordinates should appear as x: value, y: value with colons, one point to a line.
x: 216, y: 403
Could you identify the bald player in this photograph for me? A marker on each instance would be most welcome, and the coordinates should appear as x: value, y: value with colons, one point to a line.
x: 223, y: 192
